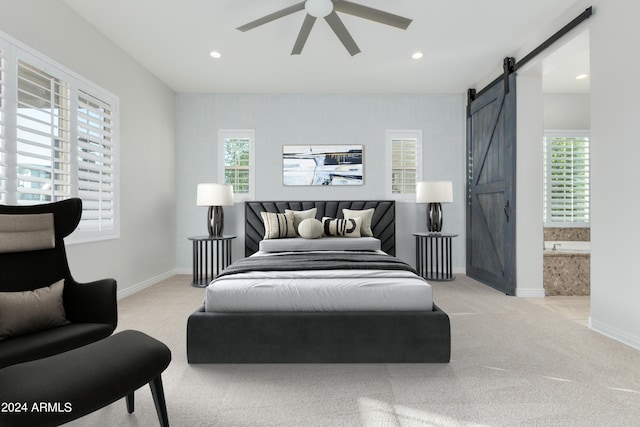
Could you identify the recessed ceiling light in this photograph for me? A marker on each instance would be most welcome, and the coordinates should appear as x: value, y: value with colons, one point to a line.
x: 582, y: 76
x: 215, y: 54
x: 417, y: 55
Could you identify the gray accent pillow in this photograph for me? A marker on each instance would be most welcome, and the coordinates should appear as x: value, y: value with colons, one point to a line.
x: 300, y: 244
x: 366, y: 215
x: 25, y: 312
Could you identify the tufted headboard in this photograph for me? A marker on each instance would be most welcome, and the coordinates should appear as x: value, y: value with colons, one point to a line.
x: 383, y: 222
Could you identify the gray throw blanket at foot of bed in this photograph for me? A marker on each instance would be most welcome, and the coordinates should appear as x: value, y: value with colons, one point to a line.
x: 317, y: 261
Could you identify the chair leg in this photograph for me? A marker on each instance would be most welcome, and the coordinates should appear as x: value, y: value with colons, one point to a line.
x: 158, y: 398
x: 130, y: 403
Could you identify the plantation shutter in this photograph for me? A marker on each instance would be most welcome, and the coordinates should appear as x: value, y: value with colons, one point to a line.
x: 96, y: 172
x: 236, y: 164
x: 3, y: 143
x: 58, y: 139
x: 404, y: 162
x: 567, y: 175
x: 42, y: 136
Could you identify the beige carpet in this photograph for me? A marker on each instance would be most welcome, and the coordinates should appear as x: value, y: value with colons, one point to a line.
x: 515, y: 362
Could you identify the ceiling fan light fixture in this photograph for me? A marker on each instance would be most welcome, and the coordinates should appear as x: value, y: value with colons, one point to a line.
x: 318, y: 8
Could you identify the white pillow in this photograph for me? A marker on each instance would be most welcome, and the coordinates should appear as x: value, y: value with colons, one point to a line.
x: 341, y: 227
x: 366, y: 216
x: 299, y: 216
x: 310, y: 228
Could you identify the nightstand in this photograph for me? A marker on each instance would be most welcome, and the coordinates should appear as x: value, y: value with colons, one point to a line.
x: 433, y: 255
x: 211, y: 254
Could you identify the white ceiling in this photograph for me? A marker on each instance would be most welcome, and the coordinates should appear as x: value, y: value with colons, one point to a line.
x: 462, y: 42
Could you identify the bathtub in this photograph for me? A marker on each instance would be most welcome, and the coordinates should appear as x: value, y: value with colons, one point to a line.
x: 563, y: 246
x: 567, y: 268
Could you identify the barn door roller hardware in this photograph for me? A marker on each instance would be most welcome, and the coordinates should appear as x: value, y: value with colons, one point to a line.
x: 514, y: 66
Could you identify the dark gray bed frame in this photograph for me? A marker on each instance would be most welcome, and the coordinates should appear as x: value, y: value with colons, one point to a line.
x: 320, y: 337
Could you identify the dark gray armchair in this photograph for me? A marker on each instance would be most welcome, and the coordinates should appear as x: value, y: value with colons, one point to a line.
x: 89, y: 308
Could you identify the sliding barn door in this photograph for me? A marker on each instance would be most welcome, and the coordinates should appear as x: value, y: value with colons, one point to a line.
x: 491, y: 186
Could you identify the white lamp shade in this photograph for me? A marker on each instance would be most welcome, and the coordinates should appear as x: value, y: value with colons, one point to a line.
x: 434, y: 192
x: 215, y: 195
x: 318, y: 8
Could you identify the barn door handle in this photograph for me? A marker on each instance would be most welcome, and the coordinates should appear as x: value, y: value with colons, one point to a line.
x: 507, y: 210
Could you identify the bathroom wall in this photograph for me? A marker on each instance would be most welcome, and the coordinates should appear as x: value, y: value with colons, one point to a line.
x: 570, y: 111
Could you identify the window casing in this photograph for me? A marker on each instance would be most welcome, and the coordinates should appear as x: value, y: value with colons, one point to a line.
x: 404, y: 164
x: 58, y: 139
x: 3, y: 145
x: 237, y: 164
x: 566, y: 179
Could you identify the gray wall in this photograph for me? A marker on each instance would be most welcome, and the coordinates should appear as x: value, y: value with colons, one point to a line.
x: 615, y: 151
x: 145, y: 252
x: 318, y: 119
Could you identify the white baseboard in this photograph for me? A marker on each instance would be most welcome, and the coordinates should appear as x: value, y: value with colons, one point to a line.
x: 183, y: 271
x: 146, y: 284
x: 615, y: 333
x: 530, y: 293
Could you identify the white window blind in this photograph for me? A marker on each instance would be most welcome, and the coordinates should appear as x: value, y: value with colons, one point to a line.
x: 95, y: 162
x: 3, y: 145
x: 405, y: 165
x: 567, y: 178
x: 58, y: 139
x: 237, y: 154
x: 42, y: 136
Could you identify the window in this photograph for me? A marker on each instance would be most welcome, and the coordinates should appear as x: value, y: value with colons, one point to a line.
x: 58, y: 139
x: 237, y: 161
x: 42, y: 137
x: 3, y: 155
x: 96, y: 162
x: 404, y: 170
x: 566, y: 182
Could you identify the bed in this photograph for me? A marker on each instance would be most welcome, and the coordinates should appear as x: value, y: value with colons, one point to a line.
x: 364, y: 332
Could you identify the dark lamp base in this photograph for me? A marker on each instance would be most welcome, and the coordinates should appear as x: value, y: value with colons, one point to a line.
x: 215, y: 221
x: 434, y: 217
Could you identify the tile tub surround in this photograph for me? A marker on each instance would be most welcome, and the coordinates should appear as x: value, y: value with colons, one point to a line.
x: 566, y: 273
x: 580, y: 234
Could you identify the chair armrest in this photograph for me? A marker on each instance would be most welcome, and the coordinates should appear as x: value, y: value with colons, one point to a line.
x: 93, y: 302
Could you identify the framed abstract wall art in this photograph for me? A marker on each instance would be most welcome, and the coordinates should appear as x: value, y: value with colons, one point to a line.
x: 322, y: 164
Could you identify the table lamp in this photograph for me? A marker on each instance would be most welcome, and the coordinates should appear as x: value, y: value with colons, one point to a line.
x: 434, y: 193
x: 215, y: 196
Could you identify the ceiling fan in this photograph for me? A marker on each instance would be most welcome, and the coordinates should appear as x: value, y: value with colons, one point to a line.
x: 327, y: 9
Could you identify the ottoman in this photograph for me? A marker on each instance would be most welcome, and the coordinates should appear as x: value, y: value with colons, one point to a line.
x: 57, y: 389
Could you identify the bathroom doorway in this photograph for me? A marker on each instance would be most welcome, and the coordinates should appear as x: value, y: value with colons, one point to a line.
x: 566, y: 178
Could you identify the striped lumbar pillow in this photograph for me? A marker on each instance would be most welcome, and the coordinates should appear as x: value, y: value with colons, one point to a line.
x: 342, y: 227
x: 278, y: 225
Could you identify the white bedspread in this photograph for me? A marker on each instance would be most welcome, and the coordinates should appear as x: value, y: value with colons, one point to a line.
x: 319, y: 290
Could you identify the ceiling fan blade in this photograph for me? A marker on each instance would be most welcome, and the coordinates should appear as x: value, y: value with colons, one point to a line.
x: 272, y: 17
x: 371, y: 14
x: 307, y: 25
x: 341, y: 31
